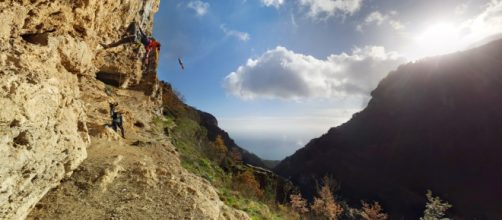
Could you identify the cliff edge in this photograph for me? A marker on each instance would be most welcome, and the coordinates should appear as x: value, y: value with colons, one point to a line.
x: 56, y: 81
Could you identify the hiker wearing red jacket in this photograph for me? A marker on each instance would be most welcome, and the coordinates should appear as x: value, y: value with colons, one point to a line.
x: 138, y: 36
x: 152, y: 45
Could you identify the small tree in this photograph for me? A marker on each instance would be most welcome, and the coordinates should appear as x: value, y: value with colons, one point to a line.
x: 220, y: 149
x: 298, y: 204
x: 435, y: 208
x: 372, y: 211
x: 235, y: 155
x: 325, y: 205
x: 246, y: 183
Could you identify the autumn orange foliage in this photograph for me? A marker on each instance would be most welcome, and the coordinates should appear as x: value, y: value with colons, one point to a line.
x: 372, y: 211
x: 246, y: 183
x: 298, y: 204
x: 235, y: 155
x: 220, y: 149
x: 325, y: 206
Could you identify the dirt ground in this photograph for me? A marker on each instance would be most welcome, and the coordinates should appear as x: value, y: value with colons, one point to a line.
x: 139, y: 177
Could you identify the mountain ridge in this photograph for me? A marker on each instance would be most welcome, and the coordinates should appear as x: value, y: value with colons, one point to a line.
x: 175, y: 106
x: 211, y: 124
x: 429, y: 125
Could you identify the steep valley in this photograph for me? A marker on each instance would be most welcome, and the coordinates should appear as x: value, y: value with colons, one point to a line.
x: 431, y: 124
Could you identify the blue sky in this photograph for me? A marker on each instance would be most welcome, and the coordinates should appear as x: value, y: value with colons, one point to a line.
x: 277, y: 73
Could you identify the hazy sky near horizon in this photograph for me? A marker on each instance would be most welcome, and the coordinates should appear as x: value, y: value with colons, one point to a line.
x: 277, y: 73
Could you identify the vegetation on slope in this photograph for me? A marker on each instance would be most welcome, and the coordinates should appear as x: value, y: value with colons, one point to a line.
x: 259, y: 192
x: 242, y: 186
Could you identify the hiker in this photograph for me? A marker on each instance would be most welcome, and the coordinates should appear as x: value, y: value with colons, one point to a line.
x: 113, y: 107
x: 117, y: 121
x: 138, y: 36
x: 152, y: 45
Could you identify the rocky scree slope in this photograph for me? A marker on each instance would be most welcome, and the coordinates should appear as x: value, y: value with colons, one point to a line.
x: 433, y: 124
x: 54, y: 110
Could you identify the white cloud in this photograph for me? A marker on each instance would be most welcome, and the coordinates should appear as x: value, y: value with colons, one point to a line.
x: 199, y: 7
x: 397, y: 25
x: 323, y: 9
x: 243, y: 36
x: 284, y: 74
x: 441, y: 38
x: 273, y: 3
x: 378, y: 18
x: 484, y: 25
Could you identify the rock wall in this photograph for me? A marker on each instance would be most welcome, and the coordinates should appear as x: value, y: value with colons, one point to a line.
x: 48, y: 51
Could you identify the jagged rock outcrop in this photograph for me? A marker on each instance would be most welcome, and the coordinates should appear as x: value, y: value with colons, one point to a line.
x: 55, y: 84
x: 432, y: 124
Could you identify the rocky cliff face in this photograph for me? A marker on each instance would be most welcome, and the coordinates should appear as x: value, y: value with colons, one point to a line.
x: 55, y: 84
x: 433, y: 124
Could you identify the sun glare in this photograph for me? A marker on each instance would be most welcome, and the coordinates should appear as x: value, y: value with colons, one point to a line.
x: 437, y: 34
x: 437, y: 39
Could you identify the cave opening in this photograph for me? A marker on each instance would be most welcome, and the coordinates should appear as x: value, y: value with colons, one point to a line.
x: 114, y: 79
x: 37, y: 38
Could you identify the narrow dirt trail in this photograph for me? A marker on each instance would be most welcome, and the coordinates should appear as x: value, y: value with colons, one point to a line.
x: 139, y: 177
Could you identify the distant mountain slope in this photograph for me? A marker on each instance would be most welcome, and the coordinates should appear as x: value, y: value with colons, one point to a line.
x: 434, y: 124
x: 211, y: 124
x: 271, y: 163
x: 208, y: 121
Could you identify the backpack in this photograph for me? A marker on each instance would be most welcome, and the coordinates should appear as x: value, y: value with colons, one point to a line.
x: 117, y: 118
